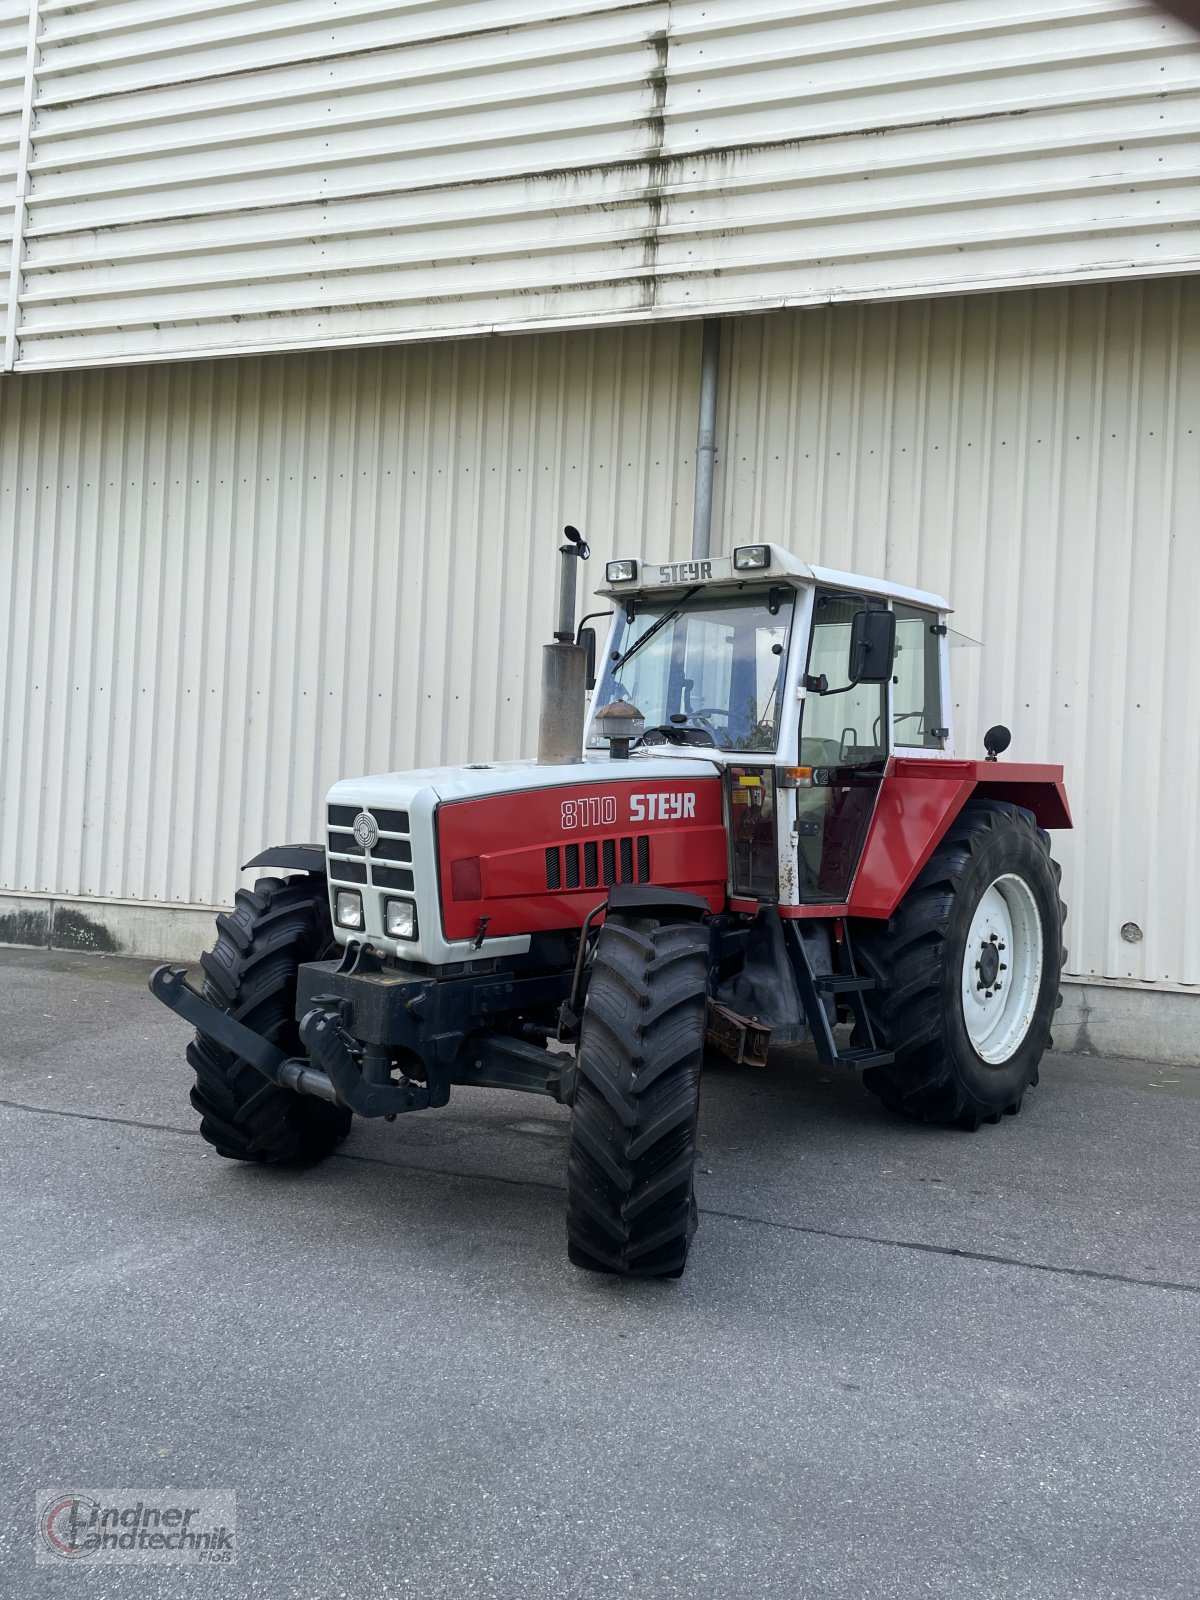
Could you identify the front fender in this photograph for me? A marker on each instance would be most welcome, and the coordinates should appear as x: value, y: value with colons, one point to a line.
x: 291, y: 858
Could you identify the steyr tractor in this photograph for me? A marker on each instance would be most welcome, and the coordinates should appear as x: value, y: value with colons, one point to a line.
x: 757, y: 833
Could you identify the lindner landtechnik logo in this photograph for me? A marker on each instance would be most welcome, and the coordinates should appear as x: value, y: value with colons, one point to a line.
x: 111, y: 1525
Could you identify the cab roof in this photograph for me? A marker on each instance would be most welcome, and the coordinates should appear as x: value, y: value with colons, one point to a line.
x: 718, y: 572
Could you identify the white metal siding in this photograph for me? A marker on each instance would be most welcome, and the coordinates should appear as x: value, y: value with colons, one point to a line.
x: 231, y: 583
x: 14, y: 36
x: 216, y: 177
x: 1036, y: 457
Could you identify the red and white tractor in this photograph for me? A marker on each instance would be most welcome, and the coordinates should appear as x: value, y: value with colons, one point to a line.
x: 758, y: 832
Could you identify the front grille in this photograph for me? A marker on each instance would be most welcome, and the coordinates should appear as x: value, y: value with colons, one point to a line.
x: 599, y: 862
x: 387, y: 821
x: 391, y: 821
x: 391, y: 877
x: 344, y: 844
x: 392, y: 850
x: 350, y: 863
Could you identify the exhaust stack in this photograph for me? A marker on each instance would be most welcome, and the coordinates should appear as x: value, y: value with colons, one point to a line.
x: 564, y: 667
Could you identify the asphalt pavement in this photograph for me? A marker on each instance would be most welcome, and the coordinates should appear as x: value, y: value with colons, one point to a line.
x: 904, y: 1361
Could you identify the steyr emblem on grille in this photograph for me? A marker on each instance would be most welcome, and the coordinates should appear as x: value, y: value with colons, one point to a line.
x: 366, y: 830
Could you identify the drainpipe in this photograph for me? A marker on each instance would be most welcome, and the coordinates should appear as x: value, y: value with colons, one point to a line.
x: 706, y: 439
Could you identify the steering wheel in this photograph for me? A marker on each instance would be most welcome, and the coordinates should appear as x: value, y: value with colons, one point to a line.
x: 721, y: 736
x: 675, y: 733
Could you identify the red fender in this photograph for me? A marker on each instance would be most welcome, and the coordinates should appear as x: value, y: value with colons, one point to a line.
x: 919, y: 800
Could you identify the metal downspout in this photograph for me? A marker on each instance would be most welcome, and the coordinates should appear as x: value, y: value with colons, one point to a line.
x: 706, y: 439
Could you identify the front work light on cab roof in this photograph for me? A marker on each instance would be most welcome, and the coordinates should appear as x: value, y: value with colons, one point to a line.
x: 752, y: 557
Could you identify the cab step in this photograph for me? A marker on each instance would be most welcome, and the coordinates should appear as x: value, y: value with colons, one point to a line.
x: 815, y: 986
x: 842, y: 983
x: 865, y: 1056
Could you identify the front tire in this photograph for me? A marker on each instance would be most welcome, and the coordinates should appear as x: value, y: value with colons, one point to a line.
x: 967, y: 971
x: 630, y: 1202
x: 250, y: 973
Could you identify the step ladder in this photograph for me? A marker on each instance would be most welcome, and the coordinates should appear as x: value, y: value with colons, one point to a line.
x: 815, y: 986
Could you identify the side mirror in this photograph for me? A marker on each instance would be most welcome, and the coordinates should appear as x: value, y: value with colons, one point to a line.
x: 872, y: 646
x: 587, y: 638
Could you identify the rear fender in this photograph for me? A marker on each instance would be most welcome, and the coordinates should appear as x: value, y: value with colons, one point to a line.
x: 918, y: 801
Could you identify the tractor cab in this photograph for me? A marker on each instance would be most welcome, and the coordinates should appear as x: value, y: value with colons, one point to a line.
x: 799, y: 682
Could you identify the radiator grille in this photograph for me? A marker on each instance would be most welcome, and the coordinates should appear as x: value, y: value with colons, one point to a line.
x: 599, y: 863
x: 348, y: 862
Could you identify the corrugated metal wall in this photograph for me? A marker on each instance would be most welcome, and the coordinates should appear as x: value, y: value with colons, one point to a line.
x: 14, y: 53
x: 1036, y: 457
x: 205, y: 177
x: 231, y: 583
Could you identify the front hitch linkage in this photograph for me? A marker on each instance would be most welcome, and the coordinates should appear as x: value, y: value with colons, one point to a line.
x: 341, y: 1083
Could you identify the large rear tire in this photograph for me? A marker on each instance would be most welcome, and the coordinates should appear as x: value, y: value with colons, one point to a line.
x: 630, y: 1202
x: 967, y: 971
x: 250, y: 973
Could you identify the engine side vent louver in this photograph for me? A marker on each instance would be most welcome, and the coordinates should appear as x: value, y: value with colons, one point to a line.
x: 599, y: 863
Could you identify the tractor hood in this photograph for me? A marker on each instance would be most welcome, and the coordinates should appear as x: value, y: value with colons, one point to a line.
x: 508, y: 777
x: 493, y: 854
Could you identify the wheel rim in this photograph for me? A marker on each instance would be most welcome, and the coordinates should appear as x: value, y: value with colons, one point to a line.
x: 1002, y: 969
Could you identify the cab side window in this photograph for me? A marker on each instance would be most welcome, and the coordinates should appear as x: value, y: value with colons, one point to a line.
x: 843, y: 732
x: 844, y: 728
x: 917, y: 685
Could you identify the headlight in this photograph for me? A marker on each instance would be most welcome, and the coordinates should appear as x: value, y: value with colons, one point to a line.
x: 752, y: 557
x: 620, y: 572
x: 400, y: 919
x: 348, y: 909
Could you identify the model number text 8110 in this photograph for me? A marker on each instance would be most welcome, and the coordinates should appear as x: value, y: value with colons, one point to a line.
x: 589, y: 811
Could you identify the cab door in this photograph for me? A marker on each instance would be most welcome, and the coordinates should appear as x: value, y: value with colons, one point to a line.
x: 844, y: 740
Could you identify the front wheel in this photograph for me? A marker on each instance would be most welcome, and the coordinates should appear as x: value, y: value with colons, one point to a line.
x: 630, y: 1205
x: 967, y: 971
x: 251, y: 973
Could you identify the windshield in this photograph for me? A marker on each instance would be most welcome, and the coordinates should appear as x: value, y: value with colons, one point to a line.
x: 702, y: 669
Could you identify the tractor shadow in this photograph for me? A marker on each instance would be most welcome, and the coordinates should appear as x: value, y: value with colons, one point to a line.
x: 480, y: 1184
x: 794, y: 1092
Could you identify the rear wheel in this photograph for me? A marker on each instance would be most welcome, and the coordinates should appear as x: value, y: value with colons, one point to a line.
x: 630, y: 1203
x: 967, y: 971
x: 250, y: 973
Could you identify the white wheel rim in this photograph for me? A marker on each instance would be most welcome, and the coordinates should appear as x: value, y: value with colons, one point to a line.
x: 1002, y: 969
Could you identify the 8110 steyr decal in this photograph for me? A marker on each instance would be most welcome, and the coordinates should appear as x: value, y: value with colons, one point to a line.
x: 600, y: 811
